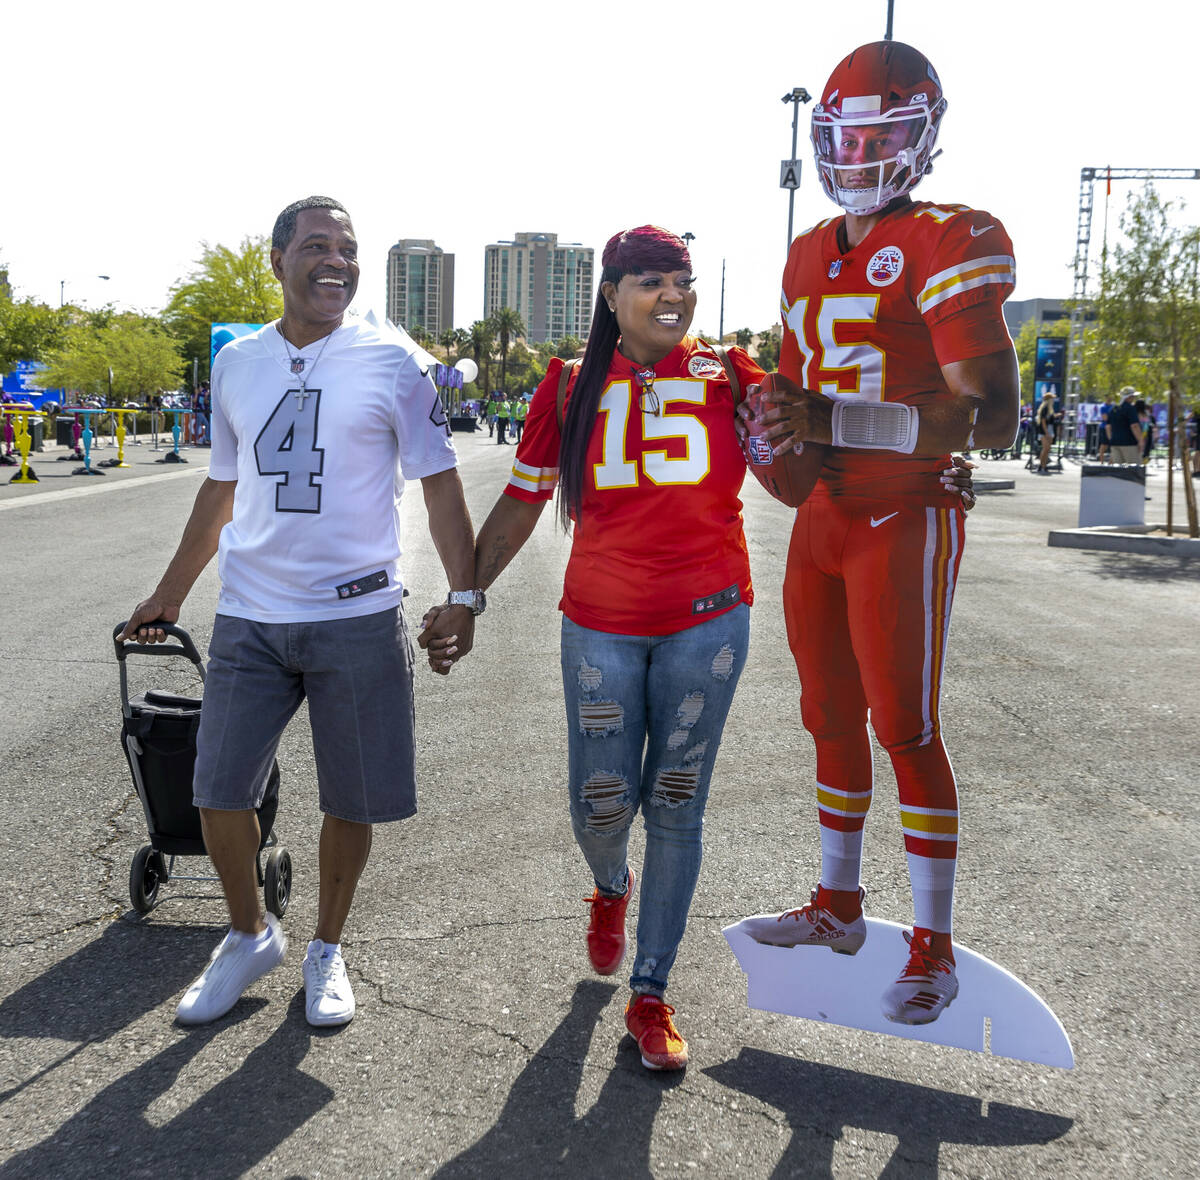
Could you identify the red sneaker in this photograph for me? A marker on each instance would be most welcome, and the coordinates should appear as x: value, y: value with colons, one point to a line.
x: 606, y: 929
x: 649, y: 1022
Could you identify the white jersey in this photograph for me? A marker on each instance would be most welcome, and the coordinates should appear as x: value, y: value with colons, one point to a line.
x: 315, y: 532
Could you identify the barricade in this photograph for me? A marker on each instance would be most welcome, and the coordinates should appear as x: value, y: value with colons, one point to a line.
x: 1112, y: 494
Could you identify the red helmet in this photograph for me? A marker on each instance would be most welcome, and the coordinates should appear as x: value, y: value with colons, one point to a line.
x: 874, y: 129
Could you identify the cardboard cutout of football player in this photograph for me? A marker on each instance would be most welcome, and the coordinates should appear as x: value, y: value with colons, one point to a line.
x: 895, y: 353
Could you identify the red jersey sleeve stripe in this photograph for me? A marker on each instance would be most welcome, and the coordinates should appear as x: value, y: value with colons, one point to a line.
x: 966, y: 276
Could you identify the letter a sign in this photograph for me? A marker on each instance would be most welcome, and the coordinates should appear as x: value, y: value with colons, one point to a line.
x: 789, y: 173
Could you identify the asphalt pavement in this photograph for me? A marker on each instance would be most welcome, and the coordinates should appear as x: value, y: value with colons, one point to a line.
x: 483, y: 1044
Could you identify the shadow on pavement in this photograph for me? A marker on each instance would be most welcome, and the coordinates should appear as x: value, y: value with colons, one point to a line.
x: 130, y: 970
x: 821, y: 1101
x: 226, y: 1131
x: 1140, y: 567
x: 117, y: 978
x: 538, y: 1132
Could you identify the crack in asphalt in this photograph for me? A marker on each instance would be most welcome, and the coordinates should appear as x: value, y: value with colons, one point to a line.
x: 99, y: 851
x: 112, y: 916
x: 372, y: 940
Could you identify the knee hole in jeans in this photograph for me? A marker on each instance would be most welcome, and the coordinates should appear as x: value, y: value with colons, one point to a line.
x: 601, y: 718
x: 675, y: 786
x: 686, y: 716
x: 606, y: 795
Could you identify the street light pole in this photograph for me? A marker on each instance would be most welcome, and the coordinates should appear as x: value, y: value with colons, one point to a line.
x: 721, y: 328
x: 795, y: 96
x: 62, y: 286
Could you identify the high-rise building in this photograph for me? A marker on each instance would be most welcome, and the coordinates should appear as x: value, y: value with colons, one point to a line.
x: 549, y: 284
x: 420, y: 286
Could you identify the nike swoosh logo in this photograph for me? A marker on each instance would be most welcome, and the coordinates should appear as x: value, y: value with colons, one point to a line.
x: 883, y: 519
x: 977, y: 230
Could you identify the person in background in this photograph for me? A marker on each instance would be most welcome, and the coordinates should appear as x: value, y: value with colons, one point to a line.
x: 1145, y: 414
x: 1046, y: 425
x: 502, y: 412
x: 1125, y: 429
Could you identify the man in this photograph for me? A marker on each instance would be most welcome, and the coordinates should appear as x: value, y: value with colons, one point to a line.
x: 1104, y: 434
x: 502, y: 411
x: 892, y: 315
x: 1125, y: 429
x: 313, y: 419
x: 520, y: 413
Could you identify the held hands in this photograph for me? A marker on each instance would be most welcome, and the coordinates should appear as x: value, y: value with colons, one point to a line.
x: 152, y: 610
x: 792, y: 416
x: 447, y: 634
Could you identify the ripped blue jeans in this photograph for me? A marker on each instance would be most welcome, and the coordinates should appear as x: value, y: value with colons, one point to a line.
x: 644, y: 718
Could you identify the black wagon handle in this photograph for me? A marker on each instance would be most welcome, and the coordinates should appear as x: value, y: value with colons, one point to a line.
x: 185, y: 646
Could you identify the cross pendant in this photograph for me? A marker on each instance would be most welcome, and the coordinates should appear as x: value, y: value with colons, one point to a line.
x: 301, y: 394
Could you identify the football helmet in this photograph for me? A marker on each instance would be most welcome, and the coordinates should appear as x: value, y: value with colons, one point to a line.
x: 874, y: 129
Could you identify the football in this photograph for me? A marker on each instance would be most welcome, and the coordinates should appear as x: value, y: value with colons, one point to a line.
x: 788, y: 477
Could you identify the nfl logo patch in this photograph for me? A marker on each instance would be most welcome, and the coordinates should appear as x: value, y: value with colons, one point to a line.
x: 835, y: 268
x: 761, y: 454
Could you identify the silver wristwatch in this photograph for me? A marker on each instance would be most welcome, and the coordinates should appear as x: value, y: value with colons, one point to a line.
x: 475, y: 599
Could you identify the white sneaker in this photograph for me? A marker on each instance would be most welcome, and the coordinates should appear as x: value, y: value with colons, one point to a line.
x: 237, y: 962
x: 811, y: 925
x: 925, y: 988
x: 328, y: 999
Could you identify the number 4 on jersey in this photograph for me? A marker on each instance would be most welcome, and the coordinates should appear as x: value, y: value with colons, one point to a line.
x: 287, y: 446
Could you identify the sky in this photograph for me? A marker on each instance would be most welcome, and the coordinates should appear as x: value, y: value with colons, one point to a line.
x: 133, y: 132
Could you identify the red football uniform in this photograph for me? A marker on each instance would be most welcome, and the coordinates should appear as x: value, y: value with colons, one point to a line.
x: 923, y: 289
x: 875, y: 550
x: 661, y: 546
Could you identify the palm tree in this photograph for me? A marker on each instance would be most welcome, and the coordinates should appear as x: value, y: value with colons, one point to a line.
x: 744, y: 337
x: 455, y: 342
x: 480, y: 339
x: 507, y: 325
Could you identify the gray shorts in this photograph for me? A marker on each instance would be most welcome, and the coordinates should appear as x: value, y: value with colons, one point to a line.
x: 358, y: 677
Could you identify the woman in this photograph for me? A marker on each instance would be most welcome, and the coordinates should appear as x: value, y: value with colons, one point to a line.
x: 648, y: 468
x: 1046, y: 428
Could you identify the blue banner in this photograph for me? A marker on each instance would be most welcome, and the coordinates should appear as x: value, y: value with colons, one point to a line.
x: 22, y: 386
x: 222, y: 334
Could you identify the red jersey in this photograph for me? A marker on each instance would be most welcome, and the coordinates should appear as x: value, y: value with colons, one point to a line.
x: 923, y: 289
x: 659, y: 544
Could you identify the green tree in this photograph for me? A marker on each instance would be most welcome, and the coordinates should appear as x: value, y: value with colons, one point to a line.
x: 507, y: 326
x: 1147, y: 313
x: 767, y: 354
x: 480, y: 340
x: 29, y: 331
x: 743, y: 337
x: 225, y: 286
x: 141, y: 355
x: 455, y: 341
x: 1148, y: 310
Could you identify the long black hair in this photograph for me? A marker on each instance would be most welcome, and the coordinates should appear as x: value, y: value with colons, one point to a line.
x: 630, y: 252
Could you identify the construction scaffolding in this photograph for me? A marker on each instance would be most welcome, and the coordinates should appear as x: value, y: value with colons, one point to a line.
x: 1083, y: 239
